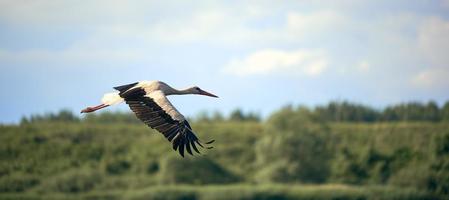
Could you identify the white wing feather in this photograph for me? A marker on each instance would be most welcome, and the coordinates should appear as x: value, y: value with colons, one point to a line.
x: 160, y: 99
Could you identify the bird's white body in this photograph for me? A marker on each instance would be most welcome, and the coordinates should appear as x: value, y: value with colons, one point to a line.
x: 114, y: 98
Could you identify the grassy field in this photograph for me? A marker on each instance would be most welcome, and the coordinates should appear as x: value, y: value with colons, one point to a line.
x: 80, y: 160
x: 224, y: 192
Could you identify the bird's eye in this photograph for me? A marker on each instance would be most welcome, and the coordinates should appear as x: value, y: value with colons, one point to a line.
x: 197, y: 88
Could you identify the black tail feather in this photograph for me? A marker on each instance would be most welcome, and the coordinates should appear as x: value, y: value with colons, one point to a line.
x: 123, y: 88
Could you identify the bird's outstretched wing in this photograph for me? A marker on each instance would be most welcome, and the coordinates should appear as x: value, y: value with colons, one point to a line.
x: 157, y: 112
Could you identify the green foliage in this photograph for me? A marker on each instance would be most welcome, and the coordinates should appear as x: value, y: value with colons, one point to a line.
x: 442, y: 145
x: 114, y: 156
x: 197, y: 171
x: 244, y: 192
x: 345, y: 111
x: 439, y: 178
x: 17, y: 183
x: 413, y: 111
x: 368, y: 165
x: 293, y: 157
x: 445, y: 112
x: 335, y: 111
x: 351, y: 112
x: 293, y: 149
x: 73, y: 181
x: 239, y: 115
x: 118, y: 167
x: 153, y: 167
x: 63, y: 116
x: 293, y: 119
x: 111, y: 117
x: 205, y: 116
x: 415, y: 175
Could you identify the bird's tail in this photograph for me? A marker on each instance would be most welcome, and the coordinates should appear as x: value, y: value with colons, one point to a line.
x: 111, y: 98
x: 107, y: 100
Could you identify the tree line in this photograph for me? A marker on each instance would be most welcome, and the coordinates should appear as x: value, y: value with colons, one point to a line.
x: 412, y: 111
x: 334, y: 111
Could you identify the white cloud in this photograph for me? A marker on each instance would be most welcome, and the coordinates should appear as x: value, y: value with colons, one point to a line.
x: 346, y: 35
x: 72, y: 56
x: 433, y: 44
x: 363, y: 66
x: 432, y: 78
x: 50, y: 13
x: 433, y: 40
x: 314, y: 22
x: 269, y: 61
x: 201, y: 26
x: 213, y: 22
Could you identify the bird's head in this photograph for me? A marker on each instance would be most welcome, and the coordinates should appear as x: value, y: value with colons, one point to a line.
x: 197, y: 90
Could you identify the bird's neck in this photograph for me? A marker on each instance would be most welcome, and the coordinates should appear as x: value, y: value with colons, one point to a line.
x: 173, y: 91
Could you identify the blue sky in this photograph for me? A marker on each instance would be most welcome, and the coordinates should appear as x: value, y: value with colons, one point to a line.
x: 256, y: 55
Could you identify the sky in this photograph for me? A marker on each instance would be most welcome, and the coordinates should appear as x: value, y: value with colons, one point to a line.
x: 255, y: 55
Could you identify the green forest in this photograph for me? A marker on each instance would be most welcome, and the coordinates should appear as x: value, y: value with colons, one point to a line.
x: 341, y: 150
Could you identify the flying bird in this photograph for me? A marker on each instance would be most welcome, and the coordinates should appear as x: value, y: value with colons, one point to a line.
x: 147, y: 99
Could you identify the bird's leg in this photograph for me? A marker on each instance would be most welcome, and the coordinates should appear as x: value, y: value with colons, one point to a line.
x: 94, y: 108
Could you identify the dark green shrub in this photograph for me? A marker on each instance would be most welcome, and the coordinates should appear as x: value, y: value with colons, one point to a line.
x: 193, y: 170
x: 75, y: 181
x: 118, y: 167
x: 293, y: 157
x: 439, y: 179
x: 368, y: 165
x: 153, y: 167
x: 17, y: 183
x: 294, y: 149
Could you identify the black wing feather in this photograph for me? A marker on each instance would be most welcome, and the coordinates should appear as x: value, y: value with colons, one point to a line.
x: 188, y: 147
x: 123, y: 88
x: 147, y: 110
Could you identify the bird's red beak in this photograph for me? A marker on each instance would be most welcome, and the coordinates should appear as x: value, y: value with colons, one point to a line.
x: 202, y: 92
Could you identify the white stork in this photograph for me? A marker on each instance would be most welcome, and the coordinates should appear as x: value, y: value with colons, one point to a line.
x: 147, y: 99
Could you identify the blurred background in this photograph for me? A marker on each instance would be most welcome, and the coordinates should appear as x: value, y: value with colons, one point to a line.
x: 318, y: 100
